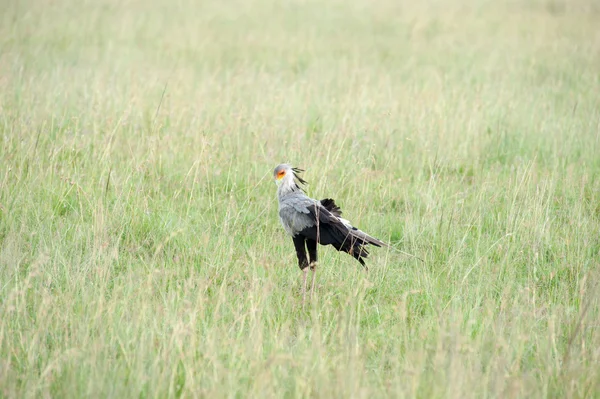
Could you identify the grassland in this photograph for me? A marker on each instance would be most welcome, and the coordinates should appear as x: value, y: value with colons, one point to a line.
x: 140, y: 249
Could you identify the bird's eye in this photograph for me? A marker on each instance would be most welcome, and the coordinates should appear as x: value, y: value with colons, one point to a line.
x: 280, y: 174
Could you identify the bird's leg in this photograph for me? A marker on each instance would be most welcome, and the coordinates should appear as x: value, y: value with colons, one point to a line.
x: 304, y: 273
x: 312, y: 253
x: 313, y: 267
x: 302, y: 263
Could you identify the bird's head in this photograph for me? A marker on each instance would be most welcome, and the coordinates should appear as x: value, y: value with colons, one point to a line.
x: 285, y: 175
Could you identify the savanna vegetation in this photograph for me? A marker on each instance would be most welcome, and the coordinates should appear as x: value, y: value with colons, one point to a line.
x: 141, y: 253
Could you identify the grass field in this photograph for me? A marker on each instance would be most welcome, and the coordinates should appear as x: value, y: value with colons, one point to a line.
x: 141, y: 253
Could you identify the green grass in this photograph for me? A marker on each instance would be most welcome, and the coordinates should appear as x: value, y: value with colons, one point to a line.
x: 140, y: 249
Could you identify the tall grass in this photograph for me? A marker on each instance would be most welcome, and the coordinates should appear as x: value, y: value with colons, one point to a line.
x: 141, y: 252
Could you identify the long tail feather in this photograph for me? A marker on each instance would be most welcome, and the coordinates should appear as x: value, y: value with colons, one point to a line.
x: 361, y: 235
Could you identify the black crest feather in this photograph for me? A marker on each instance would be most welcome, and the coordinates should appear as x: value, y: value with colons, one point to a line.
x: 296, y: 172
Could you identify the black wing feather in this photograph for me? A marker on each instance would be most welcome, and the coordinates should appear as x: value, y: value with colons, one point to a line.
x: 331, y: 206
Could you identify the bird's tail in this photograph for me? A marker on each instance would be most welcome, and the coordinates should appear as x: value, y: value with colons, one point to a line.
x: 364, y: 238
x: 357, y: 242
x: 360, y: 235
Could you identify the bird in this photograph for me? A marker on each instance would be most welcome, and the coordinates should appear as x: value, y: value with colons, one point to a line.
x: 310, y: 222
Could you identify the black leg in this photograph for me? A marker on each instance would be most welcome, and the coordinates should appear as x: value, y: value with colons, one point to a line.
x: 300, y: 252
x: 311, y: 245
